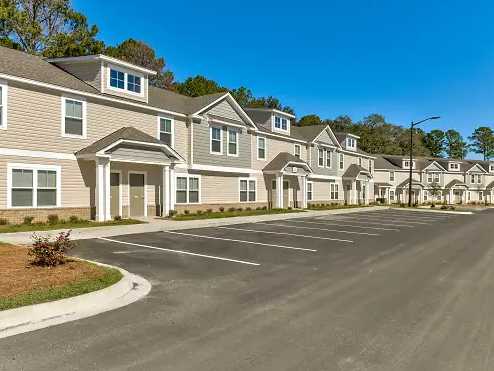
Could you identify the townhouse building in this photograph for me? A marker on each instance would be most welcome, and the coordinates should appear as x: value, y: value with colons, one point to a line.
x: 433, y: 179
x: 89, y: 136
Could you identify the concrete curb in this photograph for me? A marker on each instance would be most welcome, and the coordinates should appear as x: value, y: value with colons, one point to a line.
x: 435, y: 211
x: 33, y: 317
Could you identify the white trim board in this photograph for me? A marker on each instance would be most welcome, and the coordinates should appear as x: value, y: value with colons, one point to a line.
x: 37, y: 154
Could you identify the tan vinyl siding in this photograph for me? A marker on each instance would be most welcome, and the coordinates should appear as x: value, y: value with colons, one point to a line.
x: 274, y: 146
x: 217, y: 189
x: 144, y: 85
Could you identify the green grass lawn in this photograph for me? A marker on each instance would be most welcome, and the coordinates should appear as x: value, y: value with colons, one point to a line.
x: 336, y: 207
x: 110, y: 277
x: 63, y: 225
x: 230, y: 214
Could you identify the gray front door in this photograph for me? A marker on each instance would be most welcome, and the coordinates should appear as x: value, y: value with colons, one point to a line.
x: 136, y: 193
x: 115, y: 194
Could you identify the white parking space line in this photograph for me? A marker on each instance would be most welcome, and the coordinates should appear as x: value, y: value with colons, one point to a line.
x: 343, y: 225
x: 322, y: 229
x: 286, y: 234
x: 386, y: 219
x: 180, y: 252
x: 411, y: 215
x: 371, y: 223
x: 241, y: 241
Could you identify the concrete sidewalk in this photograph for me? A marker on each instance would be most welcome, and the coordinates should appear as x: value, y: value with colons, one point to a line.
x: 156, y: 225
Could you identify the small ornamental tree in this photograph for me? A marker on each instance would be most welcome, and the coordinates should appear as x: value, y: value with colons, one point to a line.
x: 435, y: 190
x: 50, y: 253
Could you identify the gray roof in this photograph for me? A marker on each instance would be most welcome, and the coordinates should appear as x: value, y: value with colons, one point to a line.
x: 125, y: 133
x: 308, y: 133
x: 405, y: 184
x: 382, y: 184
x: 391, y: 162
x: 354, y: 170
x: 455, y: 182
x: 490, y: 185
x: 281, y: 160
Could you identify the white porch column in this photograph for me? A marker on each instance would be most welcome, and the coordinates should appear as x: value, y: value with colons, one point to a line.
x: 450, y: 194
x: 279, y: 191
x: 304, y: 192
x: 367, y: 193
x: 353, y: 193
x: 102, y: 190
x: 172, y: 192
x: 165, y: 193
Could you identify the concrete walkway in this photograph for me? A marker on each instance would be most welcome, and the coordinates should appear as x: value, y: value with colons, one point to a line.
x: 156, y: 225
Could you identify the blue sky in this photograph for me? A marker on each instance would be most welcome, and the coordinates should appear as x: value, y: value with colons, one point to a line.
x: 403, y: 59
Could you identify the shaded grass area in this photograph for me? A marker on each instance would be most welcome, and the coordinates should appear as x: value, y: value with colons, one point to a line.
x: 336, y: 207
x: 231, y: 214
x: 24, y: 284
x: 63, y: 225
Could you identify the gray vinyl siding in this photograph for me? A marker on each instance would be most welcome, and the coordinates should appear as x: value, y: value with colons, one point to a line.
x: 138, y: 154
x: 224, y: 109
x: 333, y: 171
x: 201, y: 148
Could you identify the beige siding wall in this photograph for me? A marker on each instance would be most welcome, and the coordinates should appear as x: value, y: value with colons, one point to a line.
x: 144, y: 85
x: 274, y: 146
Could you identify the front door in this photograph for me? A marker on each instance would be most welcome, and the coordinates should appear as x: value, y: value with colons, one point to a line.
x: 136, y: 194
x: 286, y: 194
x: 115, y: 194
x: 457, y: 197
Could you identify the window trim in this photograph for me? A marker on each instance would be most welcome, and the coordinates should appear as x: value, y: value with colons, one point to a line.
x: 456, y: 164
x: 328, y: 157
x: 158, y: 128
x: 280, y: 129
x: 237, y: 142
x: 187, y: 176
x: 265, y: 148
x: 126, y: 72
x: 248, y: 189
x: 34, y: 168
x: 392, y: 178
x: 341, y: 161
x: 334, y: 190
x: 64, y: 99
x: 311, y: 198
x: 4, y: 104
x: 319, y: 151
x: 220, y: 153
x: 295, y: 146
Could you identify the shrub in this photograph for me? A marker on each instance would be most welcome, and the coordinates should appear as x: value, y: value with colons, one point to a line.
x: 231, y: 209
x: 289, y: 207
x: 3, y: 221
x: 209, y: 211
x: 28, y: 220
x: 240, y: 209
x: 248, y: 209
x: 199, y: 212
x: 221, y: 209
x: 186, y: 212
x: 52, y: 219
x: 172, y: 212
x: 258, y: 208
x: 50, y: 253
x: 444, y: 207
x: 74, y: 219
x: 433, y: 206
x: 264, y: 207
x: 117, y: 218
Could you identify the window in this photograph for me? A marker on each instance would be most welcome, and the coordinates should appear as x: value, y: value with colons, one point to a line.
x: 117, y: 79
x: 430, y: 177
x: 351, y: 143
x: 277, y: 122
x: 481, y: 196
x: 320, y: 157
x: 33, y: 186
x: 187, y: 189
x: 232, y: 142
x: 328, y: 158
x: 280, y: 123
x: 166, y: 130
x: 360, y: 161
x: 342, y: 164
x: 134, y: 83
x: 391, y: 195
x: 426, y: 195
x: 74, y: 120
x: 296, y: 150
x: 454, y: 166
x: 261, y: 148
x: 309, y: 191
x: 3, y: 106
x: 391, y: 176
x: 491, y: 167
x: 476, y: 178
x: 479, y: 178
x: 472, y: 178
x: 247, y: 190
x: 284, y: 124
x: 436, y: 177
x: 216, y: 140
x: 468, y: 195
x: 333, y: 191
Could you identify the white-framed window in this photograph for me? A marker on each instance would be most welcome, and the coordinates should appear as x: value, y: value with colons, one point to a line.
x: 127, y: 81
x: 476, y: 178
x: 469, y: 196
x: 342, y: 161
x: 406, y: 164
x: 3, y: 105
x: 436, y: 178
x: 351, y: 143
x: 328, y: 158
x: 391, y: 176
x: 491, y: 168
x: 74, y: 118
x: 261, y: 148
x: 165, y: 130
x: 280, y: 123
x: 481, y: 195
x: 33, y: 186
x: 430, y: 177
x: 216, y: 140
x: 296, y: 150
x: 454, y: 166
x: 188, y: 189
x: 333, y: 187
x: 232, y: 142
x: 320, y: 156
x: 391, y: 195
x: 360, y: 161
x: 310, y: 187
x: 426, y: 195
x: 247, y: 190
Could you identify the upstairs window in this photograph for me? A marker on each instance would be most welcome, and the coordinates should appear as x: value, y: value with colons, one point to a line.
x: 476, y: 178
x: 370, y: 166
x: 342, y: 161
x: 3, y: 106
x: 232, y: 142
x: 166, y: 131
x: 216, y: 140
x: 117, y: 79
x: 321, y: 157
x: 328, y: 159
x: 406, y: 164
x: 280, y: 123
x: 74, y: 120
x: 391, y: 176
x: 261, y: 148
x: 134, y: 83
x: 454, y: 166
x: 277, y: 122
x: 360, y: 161
x: 351, y: 142
x: 296, y: 150
x: 491, y: 168
x: 284, y: 124
x: 436, y: 177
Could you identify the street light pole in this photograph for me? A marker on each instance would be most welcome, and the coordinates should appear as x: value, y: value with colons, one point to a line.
x: 410, y: 167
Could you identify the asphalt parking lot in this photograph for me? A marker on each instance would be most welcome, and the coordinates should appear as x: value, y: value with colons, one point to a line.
x: 373, y: 290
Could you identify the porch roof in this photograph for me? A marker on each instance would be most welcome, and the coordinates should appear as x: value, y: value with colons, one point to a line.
x: 490, y: 185
x: 128, y: 135
x: 382, y: 185
x: 354, y: 171
x: 405, y: 183
x: 456, y: 183
x: 284, y: 159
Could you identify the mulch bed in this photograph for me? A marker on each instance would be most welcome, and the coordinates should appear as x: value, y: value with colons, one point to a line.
x: 18, y: 275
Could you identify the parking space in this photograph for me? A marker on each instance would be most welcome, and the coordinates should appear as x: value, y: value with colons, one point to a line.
x: 281, y: 242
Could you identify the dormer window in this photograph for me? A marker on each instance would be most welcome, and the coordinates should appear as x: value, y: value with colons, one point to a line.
x: 351, y: 143
x: 454, y: 166
x: 127, y: 82
x: 281, y: 123
x: 134, y: 83
x: 117, y: 79
x: 406, y: 164
x: 491, y: 168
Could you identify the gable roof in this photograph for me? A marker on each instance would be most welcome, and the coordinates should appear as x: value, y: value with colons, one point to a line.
x: 432, y: 162
x: 354, y: 171
x: 282, y: 160
x: 406, y: 182
x: 454, y: 183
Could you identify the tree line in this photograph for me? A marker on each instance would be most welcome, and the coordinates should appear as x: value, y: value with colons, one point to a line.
x: 52, y: 28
